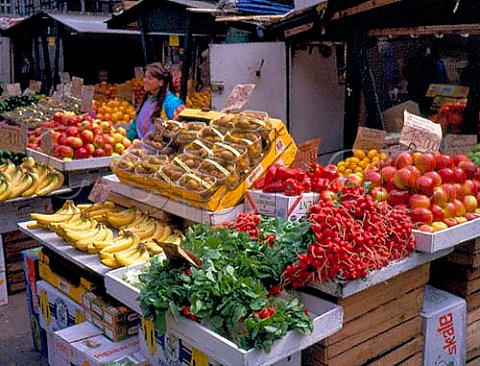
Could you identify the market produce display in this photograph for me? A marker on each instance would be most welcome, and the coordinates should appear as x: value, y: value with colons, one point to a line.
x: 136, y: 85
x: 27, y: 179
x: 440, y: 191
x: 115, y: 111
x: 359, y: 162
x: 104, y: 91
x: 199, y: 99
x: 474, y: 155
x: 86, y: 228
x: 17, y: 101
x: 80, y: 137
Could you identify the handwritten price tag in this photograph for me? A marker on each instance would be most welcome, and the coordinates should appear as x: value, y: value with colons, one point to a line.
x: 13, y: 138
x: 12, y: 89
x: 35, y: 86
x: 420, y: 134
x: 87, y: 98
x: 77, y: 84
x: 46, y: 141
x: 239, y: 96
x: 100, y: 191
x: 369, y: 138
x: 459, y: 144
x: 124, y: 92
x: 64, y: 77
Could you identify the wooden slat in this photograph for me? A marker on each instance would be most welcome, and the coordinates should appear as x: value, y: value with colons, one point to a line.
x: 380, y: 344
x: 473, y: 301
x: 464, y: 259
x: 442, y: 269
x: 473, y: 357
x: 13, y: 236
x: 12, y: 267
x: 471, y: 29
x: 412, y: 347
x: 377, y: 321
x: 470, y: 247
x: 366, y: 6
x: 473, y: 315
x: 474, y: 362
x: 415, y: 360
x: 460, y: 288
x: 150, y: 210
x: 356, y: 305
x: 473, y: 337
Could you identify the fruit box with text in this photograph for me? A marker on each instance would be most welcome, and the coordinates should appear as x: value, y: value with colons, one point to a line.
x: 11, y: 213
x: 444, y: 326
x: 278, y: 204
x: 30, y: 261
x: 57, y: 311
x: 3, y: 288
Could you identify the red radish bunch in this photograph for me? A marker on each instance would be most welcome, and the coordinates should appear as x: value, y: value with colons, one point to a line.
x: 353, y: 235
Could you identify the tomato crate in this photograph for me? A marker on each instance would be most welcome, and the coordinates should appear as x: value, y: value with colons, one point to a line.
x: 433, y: 242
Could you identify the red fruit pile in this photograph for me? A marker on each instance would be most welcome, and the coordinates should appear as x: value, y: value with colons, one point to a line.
x: 353, y: 235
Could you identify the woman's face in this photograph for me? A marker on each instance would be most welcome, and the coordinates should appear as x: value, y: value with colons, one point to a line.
x: 151, y: 84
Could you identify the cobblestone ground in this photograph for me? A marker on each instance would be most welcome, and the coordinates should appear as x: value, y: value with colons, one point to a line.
x: 16, y: 347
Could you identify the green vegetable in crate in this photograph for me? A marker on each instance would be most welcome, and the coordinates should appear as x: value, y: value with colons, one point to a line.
x: 17, y: 101
x: 474, y: 155
x: 15, y: 158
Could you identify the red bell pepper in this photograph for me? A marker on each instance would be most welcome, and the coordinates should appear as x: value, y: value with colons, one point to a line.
x: 320, y: 184
x: 270, y: 174
x: 307, y: 184
x: 315, y: 170
x: 330, y: 172
x: 273, y: 187
x: 259, y: 183
x: 292, y: 187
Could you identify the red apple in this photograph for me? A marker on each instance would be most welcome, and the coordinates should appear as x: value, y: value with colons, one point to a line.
x: 379, y: 194
x: 84, y: 125
x: 105, y: 126
x: 74, y: 142
x: 425, y: 185
x: 437, y: 212
x: 398, y: 197
x: 421, y: 215
x: 86, y: 136
x: 72, y: 131
x: 436, y: 178
x: 81, y: 153
x: 37, y: 132
x: 108, y: 139
x: 419, y: 200
x: 61, y: 128
x: 468, y: 188
x: 471, y: 216
x: 327, y: 195
x: 55, y: 136
x: 58, y: 117
x: 440, y: 196
x: 425, y: 162
x: 99, y: 153
x: 403, y: 178
x: 388, y: 172
x: 97, y: 131
x: 373, y: 177
x: 468, y: 167
x: 477, y: 174
x: 460, y: 175
x: 90, y: 148
x: 416, y: 173
x: 450, y: 221
x: 447, y: 175
x: 126, y: 142
x: 70, y: 121
x: 62, y: 140
x: 444, y: 161
x: 470, y: 202
x: 98, y: 141
x: 449, y: 210
x: 390, y: 184
x: 65, y: 151
x: 459, y: 207
x: 426, y: 228
x: 460, y: 157
x: 108, y: 148
x: 403, y: 159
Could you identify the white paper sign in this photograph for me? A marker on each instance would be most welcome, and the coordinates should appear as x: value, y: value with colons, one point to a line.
x: 100, y: 191
x: 239, y: 96
x: 459, y: 144
x: 12, y: 89
x: 369, y: 138
x: 64, y: 77
x: 87, y: 98
x: 420, y: 133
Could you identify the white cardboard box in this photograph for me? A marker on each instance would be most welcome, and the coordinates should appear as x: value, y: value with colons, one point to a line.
x: 98, y: 350
x: 53, y: 358
x: 18, y: 210
x: 2, y: 257
x: 57, y: 311
x: 64, y: 338
x: 277, y: 204
x: 3, y: 288
x: 445, y: 328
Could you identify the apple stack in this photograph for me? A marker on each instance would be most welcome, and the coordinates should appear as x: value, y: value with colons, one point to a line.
x: 381, y: 325
x: 80, y: 137
x: 459, y: 273
x: 441, y: 191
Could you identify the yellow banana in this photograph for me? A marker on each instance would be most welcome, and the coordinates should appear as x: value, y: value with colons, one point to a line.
x: 73, y: 236
x: 145, y: 231
x: 140, y: 219
x: 153, y: 248
x: 28, y: 162
x: 30, y: 191
x: 103, y: 234
x: 63, y: 214
x: 24, y: 183
x: 165, y: 234
x: 127, y: 258
x: 97, y: 246
x: 55, y: 179
x: 81, y: 225
x: 5, y: 189
x: 122, y: 218
x: 110, y: 262
x: 108, y: 252
x: 158, y: 232
x: 10, y: 169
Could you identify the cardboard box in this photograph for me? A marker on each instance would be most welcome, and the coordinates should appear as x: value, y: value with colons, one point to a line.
x: 53, y: 358
x: 30, y: 260
x: 64, y: 338
x: 444, y: 326
x: 57, y: 311
x: 2, y: 256
x: 115, y: 333
x: 11, y: 213
x: 3, y: 288
x: 277, y: 204
x: 98, y: 350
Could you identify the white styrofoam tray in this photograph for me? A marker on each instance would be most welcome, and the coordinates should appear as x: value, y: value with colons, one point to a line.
x: 342, y: 289
x: 173, y: 206
x: 64, y: 166
x: 432, y: 242
x: 121, y: 290
x: 48, y: 238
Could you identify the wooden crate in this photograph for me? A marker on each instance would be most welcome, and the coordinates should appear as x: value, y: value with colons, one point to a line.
x: 381, y: 325
x: 466, y: 254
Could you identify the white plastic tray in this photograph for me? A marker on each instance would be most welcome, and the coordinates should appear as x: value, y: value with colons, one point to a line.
x: 65, y: 166
x: 433, y: 242
x: 121, y: 290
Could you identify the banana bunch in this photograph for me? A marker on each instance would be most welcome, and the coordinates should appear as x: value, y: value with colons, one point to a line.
x: 66, y: 213
x: 27, y: 179
x: 97, y: 211
x: 81, y: 238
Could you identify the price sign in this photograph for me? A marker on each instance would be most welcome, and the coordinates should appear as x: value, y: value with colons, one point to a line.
x: 369, y: 138
x: 46, y: 140
x: 12, y: 89
x: 13, y: 138
x: 100, y: 191
x: 67, y: 89
x: 239, y: 96
x: 77, y: 84
x: 87, y: 98
x: 420, y: 134
x: 138, y: 72
x: 35, y: 86
x: 459, y: 144
x: 124, y: 92
x: 173, y: 41
x: 64, y: 77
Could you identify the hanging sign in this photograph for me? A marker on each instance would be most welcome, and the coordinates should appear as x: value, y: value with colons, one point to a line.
x: 369, y: 138
x: 459, y: 144
x: 420, y: 133
x: 87, y: 98
x: 239, y: 96
x: 35, y: 86
x: 12, y: 89
x: 64, y: 77
x: 100, y: 191
x: 77, y: 84
x: 13, y: 138
x: 46, y: 141
x: 124, y: 92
